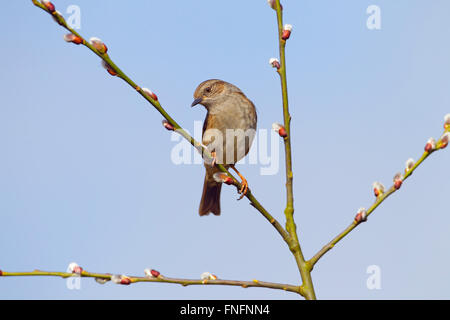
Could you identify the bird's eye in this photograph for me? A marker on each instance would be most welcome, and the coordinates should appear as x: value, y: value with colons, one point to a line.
x: 208, y: 89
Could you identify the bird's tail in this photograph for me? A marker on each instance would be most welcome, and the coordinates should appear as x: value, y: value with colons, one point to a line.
x: 210, y: 198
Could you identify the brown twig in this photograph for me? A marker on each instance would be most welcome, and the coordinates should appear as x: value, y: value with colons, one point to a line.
x: 127, y: 280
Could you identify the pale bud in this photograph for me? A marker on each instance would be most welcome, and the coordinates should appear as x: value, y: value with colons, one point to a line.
x: 75, y: 268
x: 378, y: 188
x: 205, y: 275
x: 409, y: 164
x: 167, y: 125
x: 116, y: 278
x: 274, y: 62
x: 50, y: 6
x: 98, y: 45
x: 398, y: 181
x: 121, y: 279
x: 108, y: 68
x: 280, y: 129
x: 222, y: 177
x: 361, y: 215
x: 150, y: 93
x: 444, y: 140
x: 70, y: 37
x: 447, y: 119
x: 431, y: 145
x: 101, y: 280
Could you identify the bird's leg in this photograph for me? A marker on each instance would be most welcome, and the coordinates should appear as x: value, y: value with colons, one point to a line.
x: 244, y: 183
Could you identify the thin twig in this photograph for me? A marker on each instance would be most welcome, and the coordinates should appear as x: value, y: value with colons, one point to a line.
x: 159, y: 279
x: 294, y: 244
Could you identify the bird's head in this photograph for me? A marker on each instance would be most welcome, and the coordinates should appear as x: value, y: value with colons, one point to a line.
x: 211, y: 92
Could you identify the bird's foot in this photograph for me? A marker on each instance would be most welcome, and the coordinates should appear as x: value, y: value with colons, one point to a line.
x: 244, y: 188
x: 244, y: 184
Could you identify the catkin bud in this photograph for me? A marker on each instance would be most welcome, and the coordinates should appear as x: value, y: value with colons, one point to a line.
x: 150, y: 93
x: 286, y: 31
x: 430, y: 145
x: 447, y: 121
x: 444, y: 140
x: 155, y: 273
x: 98, y: 45
x: 108, y: 68
x: 275, y: 63
x: 70, y: 37
x: 50, y: 6
x: 378, y: 189
x: 409, y: 164
x: 121, y: 279
x: 101, y: 280
x: 398, y: 181
x: 75, y: 268
x: 222, y: 177
x: 280, y: 129
x: 361, y: 215
x: 167, y: 125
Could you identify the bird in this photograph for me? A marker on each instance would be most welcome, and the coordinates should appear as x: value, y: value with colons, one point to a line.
x: 228, y: 132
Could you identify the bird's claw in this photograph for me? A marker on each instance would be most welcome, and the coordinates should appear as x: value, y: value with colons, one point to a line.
x: 244, y: 189
x: 244, y: 184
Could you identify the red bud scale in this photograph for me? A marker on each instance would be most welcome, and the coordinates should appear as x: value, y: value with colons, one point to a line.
x: 50, y: 6
x: 154, y: 273
x: 167, y: 125
x: 286, y: 32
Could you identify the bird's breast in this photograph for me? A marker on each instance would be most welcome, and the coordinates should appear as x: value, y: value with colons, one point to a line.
x: 231, y: 126
x: 235, y: 112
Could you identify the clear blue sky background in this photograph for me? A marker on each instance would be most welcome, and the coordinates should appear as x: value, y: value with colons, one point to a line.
x: 85, y: 170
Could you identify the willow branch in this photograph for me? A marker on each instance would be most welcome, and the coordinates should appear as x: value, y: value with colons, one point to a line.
x: 116, y: 71
x: 379, y: 199
x: 294, y: 244
x: 127, y: 280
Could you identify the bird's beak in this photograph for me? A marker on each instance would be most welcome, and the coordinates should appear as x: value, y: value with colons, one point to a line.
x: 196, y: 102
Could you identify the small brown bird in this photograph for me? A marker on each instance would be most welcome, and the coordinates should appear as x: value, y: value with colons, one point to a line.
x: 228, y: 132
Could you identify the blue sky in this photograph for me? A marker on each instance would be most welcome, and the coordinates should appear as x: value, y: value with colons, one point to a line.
x: 86, y: 173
